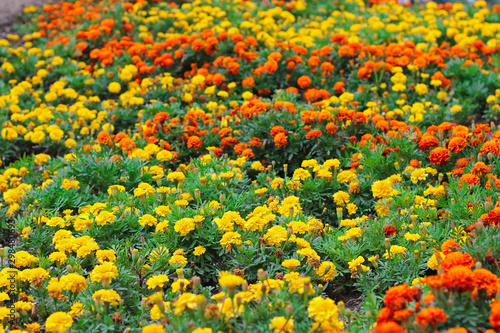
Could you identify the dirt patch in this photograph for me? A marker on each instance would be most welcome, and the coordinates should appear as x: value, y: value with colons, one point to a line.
x: 12, y: 9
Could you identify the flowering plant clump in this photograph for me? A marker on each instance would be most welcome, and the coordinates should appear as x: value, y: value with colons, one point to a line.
x: 254, y: 166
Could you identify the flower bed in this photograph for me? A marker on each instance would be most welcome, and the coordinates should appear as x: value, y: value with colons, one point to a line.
x: 236, y: 165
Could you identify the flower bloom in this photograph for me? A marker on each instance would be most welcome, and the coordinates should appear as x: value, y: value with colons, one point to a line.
x: 439, y: 155
x: 58, y: 322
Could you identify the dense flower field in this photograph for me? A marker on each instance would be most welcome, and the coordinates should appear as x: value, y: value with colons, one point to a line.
x: 247, y: 166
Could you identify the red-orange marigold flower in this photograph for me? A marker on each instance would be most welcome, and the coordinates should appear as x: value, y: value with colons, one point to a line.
x: 495, y: 315
x: 449, y: 246
x: 439, y: 155
x: 459, y: 278
x: 313, y: 134
x: 457, y: 144
x: 390, y: 327
x: 487, y: 281
x: 427, y: 142
x: 431, y: 316
x: 454, y: 259
x: 194, y: 142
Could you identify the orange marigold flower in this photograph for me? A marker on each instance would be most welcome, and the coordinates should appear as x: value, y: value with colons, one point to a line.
x: 276, y: 130
x: 480, y: 169
x: 255, y: 142
x: 313, y: 134
x: 439, y: 155
x: 415, y: 164
x: 454, y: 259
x: 431, y: 316
x: 390, y: 327
x: 331, y: 129
x: 339, y: 87
x: 434, y: 281
x: 494, y: 216
x: 469, y: 179
x: 280, y: 139
x: 427, y: 142
x: 457, y: 144
x: 397, y: 297
x: 304, y: 81
x: 248, y: 153
x: 194, y: 142
x: 104, y: 138
x: 495, y: 315
x: 487, y: 281
x: 459, y: 278
x: 489, y: 147
x: 449, y: 246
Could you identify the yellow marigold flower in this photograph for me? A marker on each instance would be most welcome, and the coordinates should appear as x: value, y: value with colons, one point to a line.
x: 326, y: 271
x: 202, y: 330
x: 325, y: 313
x: 418, y: 175
x: 351, y: 208
x: 301, y: 174
x: 282, y: 324
x: 176, y: 286
x: 162, y: 226
x: 229, y: 280
x: 157, y: 281
x: 113, y: 189
x: 41, y: 159
x: 178, y: 260
x: 58, y: 322
x: 147, y: 220
x: 73, y: 282
x: 332, y: 163
x: 261, y: 191
x: 257, y: 166
x: 107, y: 295
x: 456, y: 109
x: 105, y: 255
x: 341, y: 198
x: 184, y: 226
x: 276, y: 235
x: 382, y: 189
x: 24, y: 259
x: 9, y: 133
x: 435, y: 259
x: 59, y: 257
x: 309, y: 163
x: 290, y: 264
x: 394, y: 249
x: 162, y: 210
x: 353, y: 264
x: 185, y: 300
x: 164, y: 156
x: 230, y: 238
x: 106, y: 271
x: 199, y: 250
x: 412, y: 237
x: 176, y: 176
x: 76, y: 309
x: 114, y: 87
x: 105, y: 217
x: 155, y: 328
x: 308, y: 252
x: 56, y: 134
x: 277, y: 183
x: 346, y: 176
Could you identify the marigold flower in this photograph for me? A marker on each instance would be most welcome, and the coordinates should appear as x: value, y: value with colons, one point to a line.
x: 431, y: 316
x: 58, y: 322
x: 439, y: 155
